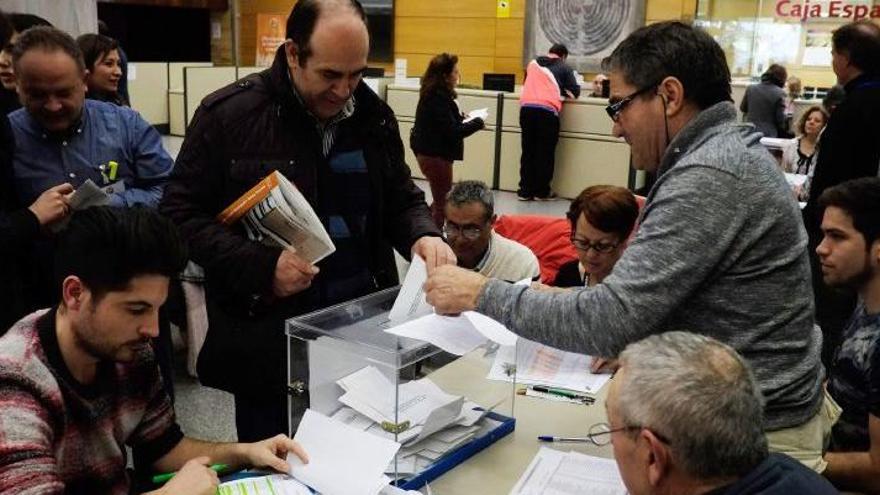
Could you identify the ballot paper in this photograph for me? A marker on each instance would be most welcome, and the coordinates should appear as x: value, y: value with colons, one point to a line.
x: 553, y: 472
x: 342, y: 460
x: 537, y: 364
x: 372, y: 394
x: 458, y: 335
x: 274, y: 484
x: 410, y: 302
x: 480, y: 113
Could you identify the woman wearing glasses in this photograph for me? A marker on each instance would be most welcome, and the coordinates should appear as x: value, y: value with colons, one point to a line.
x: 437, y: 138
x: 602, y: 218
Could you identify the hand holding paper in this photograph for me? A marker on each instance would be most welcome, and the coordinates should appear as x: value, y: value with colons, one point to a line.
x: 480, y: 113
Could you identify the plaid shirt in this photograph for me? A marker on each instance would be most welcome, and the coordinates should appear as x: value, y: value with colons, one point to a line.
x: 60, y: 436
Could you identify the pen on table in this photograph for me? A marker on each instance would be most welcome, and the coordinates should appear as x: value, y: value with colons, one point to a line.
x: 162, y: 478
x: 550, y: 438
x: 559, y: 391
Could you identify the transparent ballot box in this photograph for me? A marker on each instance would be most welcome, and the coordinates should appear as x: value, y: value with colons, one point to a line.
x: 441, y: 408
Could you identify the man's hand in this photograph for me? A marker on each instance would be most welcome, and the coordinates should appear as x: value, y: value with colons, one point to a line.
x: 292, y: 274
x: 52, y: 205
x: 194, y: 478
x: 451, y: 289
x: 272, y: 453
x: 602, y: 365
x: 434, y: 251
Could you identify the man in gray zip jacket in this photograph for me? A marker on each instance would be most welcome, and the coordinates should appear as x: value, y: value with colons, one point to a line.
x: 721, y: 249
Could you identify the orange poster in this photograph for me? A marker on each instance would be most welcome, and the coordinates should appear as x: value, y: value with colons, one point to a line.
x: 270, y: 34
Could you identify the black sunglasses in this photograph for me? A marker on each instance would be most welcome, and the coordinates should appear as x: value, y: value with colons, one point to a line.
x: 613, y: 110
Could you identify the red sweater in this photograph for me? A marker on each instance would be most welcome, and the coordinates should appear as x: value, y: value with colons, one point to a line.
x: 59, y: 436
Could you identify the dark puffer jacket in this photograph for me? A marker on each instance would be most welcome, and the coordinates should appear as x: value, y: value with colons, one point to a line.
x: 240, y: 134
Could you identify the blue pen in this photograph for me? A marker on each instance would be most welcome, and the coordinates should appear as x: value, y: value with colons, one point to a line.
x: 550, y: 438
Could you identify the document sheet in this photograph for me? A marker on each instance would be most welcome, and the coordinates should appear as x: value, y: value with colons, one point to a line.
x: 274, y: 484
x: 553, y: 472
x: 410, y: 301
x: 537, y: 364
x: 342, y: 460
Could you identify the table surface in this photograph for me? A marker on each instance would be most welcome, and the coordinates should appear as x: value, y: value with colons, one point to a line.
x: 496, y: 469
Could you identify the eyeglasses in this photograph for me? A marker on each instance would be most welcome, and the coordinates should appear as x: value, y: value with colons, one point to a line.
x: 600, y: 247
x: 613, y: 110
x: 600, y: 433
x: 469, y: 232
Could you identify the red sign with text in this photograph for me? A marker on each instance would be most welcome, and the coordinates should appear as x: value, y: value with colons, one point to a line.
x: 805, y: 10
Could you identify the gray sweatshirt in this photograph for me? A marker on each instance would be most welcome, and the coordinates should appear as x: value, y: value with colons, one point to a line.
x: 721, y: 251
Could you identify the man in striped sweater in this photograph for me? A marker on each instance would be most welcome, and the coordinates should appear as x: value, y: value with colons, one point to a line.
x: 79, y: 382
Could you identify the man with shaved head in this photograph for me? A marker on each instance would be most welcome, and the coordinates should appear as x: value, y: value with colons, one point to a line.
x: 310, y: 118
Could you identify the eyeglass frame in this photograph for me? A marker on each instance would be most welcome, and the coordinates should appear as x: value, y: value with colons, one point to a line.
x: 614, y: 109
x: 606, y: 429
x: 466, y: 231
x: 587, y: 245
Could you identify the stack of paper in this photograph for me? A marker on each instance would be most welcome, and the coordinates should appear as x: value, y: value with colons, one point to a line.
x: 438, y: 422
x: 335, y: 448
x: 537, y: 364
x: 558, y: 473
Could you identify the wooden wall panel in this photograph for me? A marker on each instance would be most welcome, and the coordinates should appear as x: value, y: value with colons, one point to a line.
x: 509, y: 37
x: 464, y: 36
x: 471, y: 67
x: 445, y: 8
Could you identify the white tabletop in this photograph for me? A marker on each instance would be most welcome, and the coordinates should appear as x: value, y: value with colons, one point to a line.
x: 496, y: 469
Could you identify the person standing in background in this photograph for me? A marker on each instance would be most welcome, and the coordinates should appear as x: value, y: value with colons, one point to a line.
x: 764, y: 103
x: 799, y: 157
x: 123, y: 60
x: 101, y: 55
x: 437, y: 138
x: 18, y: 23
x: 549, y: 80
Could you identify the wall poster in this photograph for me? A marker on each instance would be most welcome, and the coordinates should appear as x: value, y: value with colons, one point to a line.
x: 270, y: 35
x: 589, y: 28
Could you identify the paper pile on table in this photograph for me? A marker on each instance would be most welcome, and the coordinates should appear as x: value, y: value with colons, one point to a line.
x: 569, y: 473
x: 430, y: 423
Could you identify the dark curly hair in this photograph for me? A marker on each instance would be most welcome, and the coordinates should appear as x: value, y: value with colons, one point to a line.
x: 436, y: 76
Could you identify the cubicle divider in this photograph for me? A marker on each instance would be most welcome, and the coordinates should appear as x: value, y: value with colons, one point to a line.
x: 199, y: 82
x: 587, y: 153
x: 148, y: 92
x: 177, y: 95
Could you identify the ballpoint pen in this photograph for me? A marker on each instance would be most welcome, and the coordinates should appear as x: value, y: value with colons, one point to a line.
x: 162, y: 478
x: 550, y: 438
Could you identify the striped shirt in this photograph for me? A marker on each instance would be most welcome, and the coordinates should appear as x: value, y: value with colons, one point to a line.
x: 327, y: 130
x: 60, y: 436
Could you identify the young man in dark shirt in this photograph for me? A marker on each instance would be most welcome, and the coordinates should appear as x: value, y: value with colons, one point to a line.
x: 850, y: 257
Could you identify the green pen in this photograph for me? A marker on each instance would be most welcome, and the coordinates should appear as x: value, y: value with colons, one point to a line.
x: 162, y: 478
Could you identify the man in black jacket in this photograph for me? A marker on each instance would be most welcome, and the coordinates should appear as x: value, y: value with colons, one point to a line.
x: 312, y: 119
x: 848, y: 149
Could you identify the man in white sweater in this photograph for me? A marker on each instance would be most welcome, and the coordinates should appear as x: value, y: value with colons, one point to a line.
x: 470, y: 214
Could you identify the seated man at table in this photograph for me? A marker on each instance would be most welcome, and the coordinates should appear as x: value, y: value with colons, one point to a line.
x: 79, y: 382
x: 470, y: 214
x: 850, y: 257
x: 685, y: 417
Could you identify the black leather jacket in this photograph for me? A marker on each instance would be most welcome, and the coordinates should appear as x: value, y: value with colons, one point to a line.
x: 439, y: 129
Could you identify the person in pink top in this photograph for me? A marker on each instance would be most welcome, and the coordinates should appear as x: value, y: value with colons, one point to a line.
x: 549, y: 80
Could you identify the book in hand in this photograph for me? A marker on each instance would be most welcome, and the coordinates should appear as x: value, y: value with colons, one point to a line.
x: 274, y: 212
